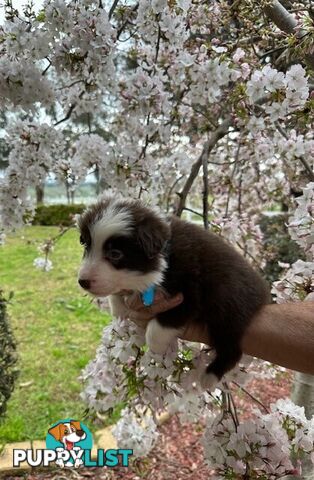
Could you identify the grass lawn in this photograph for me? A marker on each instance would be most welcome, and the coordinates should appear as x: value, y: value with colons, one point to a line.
x: 57, y: 330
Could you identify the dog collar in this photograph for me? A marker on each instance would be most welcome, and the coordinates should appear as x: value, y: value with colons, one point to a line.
x: 148, y: 296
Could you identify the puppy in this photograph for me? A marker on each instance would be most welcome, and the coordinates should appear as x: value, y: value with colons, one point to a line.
x: 128, y: 246
x: 68, y: 434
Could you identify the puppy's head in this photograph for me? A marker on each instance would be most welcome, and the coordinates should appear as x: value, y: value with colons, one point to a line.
x: 68, y: 433
x: 123, y: 247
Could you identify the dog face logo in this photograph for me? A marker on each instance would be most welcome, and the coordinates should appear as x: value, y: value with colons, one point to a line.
x: 68, y: 433
x: 69, y: 438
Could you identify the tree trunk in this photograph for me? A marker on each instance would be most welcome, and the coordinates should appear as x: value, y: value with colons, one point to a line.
x: 97, y: 176
x: 303, y: 392
x: 303, y: 395
x: 40, y: 193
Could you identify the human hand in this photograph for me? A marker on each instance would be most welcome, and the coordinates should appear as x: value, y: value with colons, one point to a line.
x: 141, y: 314
x: 281, y: 334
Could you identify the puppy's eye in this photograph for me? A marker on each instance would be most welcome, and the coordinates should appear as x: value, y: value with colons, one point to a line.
x: 114, y: 254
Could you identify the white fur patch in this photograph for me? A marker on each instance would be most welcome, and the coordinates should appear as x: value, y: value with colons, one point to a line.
x: 158, y: 338
x: 105, y: 279
x: 114, y: 220
x: 209, y: 381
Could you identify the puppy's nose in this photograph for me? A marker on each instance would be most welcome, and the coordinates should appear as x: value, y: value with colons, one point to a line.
x: 80, y: 433
x: 84, y: 283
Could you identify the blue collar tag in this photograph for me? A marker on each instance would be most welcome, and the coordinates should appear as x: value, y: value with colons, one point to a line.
x: 148, y: 296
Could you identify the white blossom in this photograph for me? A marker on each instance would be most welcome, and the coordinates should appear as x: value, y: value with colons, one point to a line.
x: 301, y: 223
x: 138, y: 433
x: 136, y: 93
x: 43, y: 264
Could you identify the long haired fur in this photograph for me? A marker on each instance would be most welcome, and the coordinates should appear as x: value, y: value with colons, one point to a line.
x: 221, y: 290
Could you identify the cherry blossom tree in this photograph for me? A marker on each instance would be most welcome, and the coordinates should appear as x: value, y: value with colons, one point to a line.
x: 200, y: 107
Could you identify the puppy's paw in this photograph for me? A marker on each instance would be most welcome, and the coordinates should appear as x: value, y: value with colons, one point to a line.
x: 156, y: 346
x: 209, y: 381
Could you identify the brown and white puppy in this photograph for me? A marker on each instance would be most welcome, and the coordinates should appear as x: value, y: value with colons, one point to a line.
x: 68, y: 433
x: 128, y: 246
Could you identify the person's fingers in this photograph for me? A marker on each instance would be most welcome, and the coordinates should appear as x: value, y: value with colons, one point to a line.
x: 142, y: 315
x: 166, y: 304
x: 135, y: 302
x: 162, y: 303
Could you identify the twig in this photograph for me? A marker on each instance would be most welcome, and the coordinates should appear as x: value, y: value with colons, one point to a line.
x: 273, y: 50
x: 67, y: 116
x: 221, y: 131
x: 119, y: 32
x: 235, y: 5
x: 247, y: 253
x: 193, y: 211
x: 235, y: 165
x: 240, y: 195
x: 234, y: 408
x: 71, y: 84
x: 112, y: 9
x: 158, y: 43
x: 287, y: 23
x: 205, y: 190
x: 307, y: 167
x: 47, y: 68
x: 171, y: 190
x: 251, y: 396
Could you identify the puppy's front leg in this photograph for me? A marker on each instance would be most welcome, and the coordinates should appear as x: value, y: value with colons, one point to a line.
x: 158, y: 337
x: 117, y: 307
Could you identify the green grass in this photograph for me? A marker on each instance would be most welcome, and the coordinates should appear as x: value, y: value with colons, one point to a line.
x: 57, y: 330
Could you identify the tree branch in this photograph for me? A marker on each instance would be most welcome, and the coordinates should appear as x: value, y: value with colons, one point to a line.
x: 287, y: 23
x: 121, y: 29
x: 67, y: 116
x: 205, y: 190
x: 221, y: 131
x: 307, y: 167
x: 281, y: 17
x: 171, y: 190
x: 112, y: 9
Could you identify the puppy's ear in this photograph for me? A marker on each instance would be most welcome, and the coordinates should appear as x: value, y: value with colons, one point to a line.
x: 152, y: 234
x: 76, y: 424
x: 56, y: 432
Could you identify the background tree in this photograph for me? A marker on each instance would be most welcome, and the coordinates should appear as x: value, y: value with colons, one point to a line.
x: 209, y: 110
x: 8, y: 357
